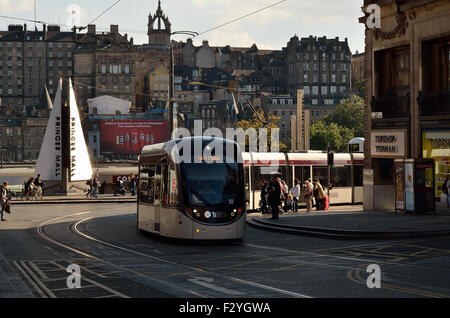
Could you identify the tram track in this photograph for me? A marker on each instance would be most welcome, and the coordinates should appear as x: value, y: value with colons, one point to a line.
x: 414, y: 290
x: 195, y: 271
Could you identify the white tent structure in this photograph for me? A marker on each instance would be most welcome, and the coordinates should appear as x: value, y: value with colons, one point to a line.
x: 108, y: 105
x: 50, y: 165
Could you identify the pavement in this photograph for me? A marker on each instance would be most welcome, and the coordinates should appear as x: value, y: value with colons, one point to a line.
x: 352, y: 223
x: 102, y: 198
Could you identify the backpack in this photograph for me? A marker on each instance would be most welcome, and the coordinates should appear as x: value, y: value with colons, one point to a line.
x: 89, y: 182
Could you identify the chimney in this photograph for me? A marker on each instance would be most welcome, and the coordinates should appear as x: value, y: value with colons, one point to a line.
x: 114, y: 29
x: 91, y: 29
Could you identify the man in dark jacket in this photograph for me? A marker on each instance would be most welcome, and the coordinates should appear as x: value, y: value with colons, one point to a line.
x: 275, y: 198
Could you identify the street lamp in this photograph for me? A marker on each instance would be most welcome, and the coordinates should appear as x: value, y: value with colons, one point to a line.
x: 172, y: 75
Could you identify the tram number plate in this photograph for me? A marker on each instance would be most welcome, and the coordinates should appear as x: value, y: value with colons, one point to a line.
x: 218, y: 215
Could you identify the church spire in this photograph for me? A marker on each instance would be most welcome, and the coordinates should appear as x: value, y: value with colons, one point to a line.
x: 160, y: 32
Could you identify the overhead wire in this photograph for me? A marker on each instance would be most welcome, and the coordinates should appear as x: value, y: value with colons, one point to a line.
x: 242, y: 17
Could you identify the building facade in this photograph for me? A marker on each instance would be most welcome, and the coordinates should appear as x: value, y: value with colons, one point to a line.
x: 407, y: 112
x: 29, y: 60
x: 105, y: 65
x: 321, y: 67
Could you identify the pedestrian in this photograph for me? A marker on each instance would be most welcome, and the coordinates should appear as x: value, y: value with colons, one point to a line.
x: 31, y: 189
x: 275, y: 197
x: 296, y: 190
x: 319, y: 195
x: 285, y: 190
x: 132, y: 184
x: 95, y: 185
x: 264, y: 193
x: 5, y: 197
x: 308, y: 195
x: 39, y: 184
x: 290, y: 203
x: 446, y: 190
x: 90, y: 184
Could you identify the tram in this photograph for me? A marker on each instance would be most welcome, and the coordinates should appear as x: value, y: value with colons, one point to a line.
x: 346, y: 174
x: 196, y: 195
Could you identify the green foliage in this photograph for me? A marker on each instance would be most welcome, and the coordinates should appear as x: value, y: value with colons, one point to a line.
x: 360, y: 88
x: 257, y: 122
x: 340, y: 127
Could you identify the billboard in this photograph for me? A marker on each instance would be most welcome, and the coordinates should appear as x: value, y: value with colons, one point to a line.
x: 128, y: 137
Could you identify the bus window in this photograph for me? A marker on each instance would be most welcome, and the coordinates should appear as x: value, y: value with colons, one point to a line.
x: 146, y: 178
x: 266, y: 173
x: 321, y: 173
x: 173, y: 186
x: 157, y: 185
x: 302, y: 173
x: 165, y: 185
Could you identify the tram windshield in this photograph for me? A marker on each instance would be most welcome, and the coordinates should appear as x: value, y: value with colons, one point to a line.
x: 211, y: 184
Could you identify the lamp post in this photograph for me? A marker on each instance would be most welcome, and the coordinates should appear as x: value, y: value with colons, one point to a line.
x: 172, y: 75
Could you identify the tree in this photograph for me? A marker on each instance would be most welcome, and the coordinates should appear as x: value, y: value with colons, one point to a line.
x: 340, y: 127
x: 349, y: 114
x: 259, y: 121
x: 323, y: 134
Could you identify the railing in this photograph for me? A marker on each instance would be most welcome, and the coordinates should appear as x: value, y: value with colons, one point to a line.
x: 432, y: 104
x: 392, y: 106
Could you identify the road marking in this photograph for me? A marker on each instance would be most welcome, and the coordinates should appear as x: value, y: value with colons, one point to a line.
x: 235, y: 279
x: 355, y: 276
x: 207, y: 282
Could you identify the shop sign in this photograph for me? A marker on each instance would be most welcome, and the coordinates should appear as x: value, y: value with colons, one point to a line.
x: 388, y: 144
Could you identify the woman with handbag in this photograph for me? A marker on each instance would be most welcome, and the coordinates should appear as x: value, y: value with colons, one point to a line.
x: 308, y: 195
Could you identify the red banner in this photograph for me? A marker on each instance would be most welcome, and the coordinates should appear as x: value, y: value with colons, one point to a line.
x: 128, y: 137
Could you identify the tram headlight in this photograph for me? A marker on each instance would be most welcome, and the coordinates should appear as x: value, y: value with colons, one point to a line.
x: 197, y: 215
x: 232, y: 213
x: 207, y: 214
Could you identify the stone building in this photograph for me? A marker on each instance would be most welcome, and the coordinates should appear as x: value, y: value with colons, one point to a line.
x: 22, y: 129
x: 284, y: 108
x: 104, y: 65
x: 321, y: 67
x: 150, y: 56
x: 30, y: 59
x: 358, y: 66
x: 407, y: 112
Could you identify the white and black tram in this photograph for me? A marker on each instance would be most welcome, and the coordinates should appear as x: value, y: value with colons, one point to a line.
x: 346, y: 175
x: 197, y: 195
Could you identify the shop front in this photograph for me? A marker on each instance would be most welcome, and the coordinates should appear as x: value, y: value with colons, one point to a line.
x: 436, y: 145
x: 385, y: 147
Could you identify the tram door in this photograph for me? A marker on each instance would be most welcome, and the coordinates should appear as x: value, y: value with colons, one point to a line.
x: 158, y: 197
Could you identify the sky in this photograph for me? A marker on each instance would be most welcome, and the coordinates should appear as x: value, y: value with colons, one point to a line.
x: 270, y: 29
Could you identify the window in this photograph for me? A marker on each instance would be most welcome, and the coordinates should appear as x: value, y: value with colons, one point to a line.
x: 333, y: 89
x: 315, y: 90
x: 103, y: 69
x: 306, y: 90
x: 393, y: 71
x: 146, y: 184
x: 127, y: 69
x: 324, y: 78
x: 305, y: 78
x: 333, y: 78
